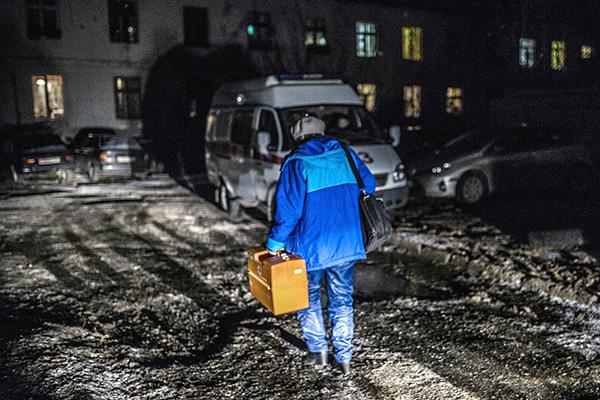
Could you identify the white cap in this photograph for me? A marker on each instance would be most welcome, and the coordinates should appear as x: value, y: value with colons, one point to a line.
x: 308, y: 126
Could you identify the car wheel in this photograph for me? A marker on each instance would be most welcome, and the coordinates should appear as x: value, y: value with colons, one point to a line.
x: 92, y: 173
x: 471, y: 189
x: 14, y: 174
x: 65, y: 176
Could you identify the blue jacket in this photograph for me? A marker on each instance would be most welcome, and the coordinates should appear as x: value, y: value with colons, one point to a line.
x: 317, y: 214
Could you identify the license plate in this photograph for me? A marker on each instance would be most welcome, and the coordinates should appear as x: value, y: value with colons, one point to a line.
x: 124, y: 159
x: 49, y: 160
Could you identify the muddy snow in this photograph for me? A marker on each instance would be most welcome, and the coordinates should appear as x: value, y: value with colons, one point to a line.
x: 138, y: 291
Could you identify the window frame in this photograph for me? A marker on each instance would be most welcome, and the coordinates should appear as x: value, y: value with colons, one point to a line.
x: 118, y: 20
x: 49, y: 113
x: 127, y: 90
x: 527, y: 52
x: 558, y: 55
x: 364, y: 95
x: 40, y: 10
x: 412, y: 43
x: 586, y: 52
x: 316, y: 26
x: 362, y: 37
x: 454, y: 93
x: 408, y: 107
x: 262, y: 36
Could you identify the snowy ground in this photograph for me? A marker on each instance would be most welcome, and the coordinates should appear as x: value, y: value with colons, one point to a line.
x: 138, y: 291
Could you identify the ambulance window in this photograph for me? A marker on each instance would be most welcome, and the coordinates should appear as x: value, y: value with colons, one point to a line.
x: 241, y: 127
x: 267, y: 124
x: 222, y: 126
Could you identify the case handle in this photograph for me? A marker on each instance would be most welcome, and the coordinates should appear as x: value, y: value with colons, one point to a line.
x: 260, y: 254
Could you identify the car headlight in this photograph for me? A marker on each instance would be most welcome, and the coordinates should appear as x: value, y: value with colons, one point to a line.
x: 438, y: 170
x: 399, y: 174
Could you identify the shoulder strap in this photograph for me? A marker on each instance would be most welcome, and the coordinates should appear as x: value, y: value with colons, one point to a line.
x: 361, y: 184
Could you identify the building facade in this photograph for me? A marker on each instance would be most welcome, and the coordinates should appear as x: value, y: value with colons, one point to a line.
x: 78, y: 64
x: 538, y: 64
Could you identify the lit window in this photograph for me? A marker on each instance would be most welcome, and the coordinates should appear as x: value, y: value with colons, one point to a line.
x: 47, y: 96
x: 454, y: 101
x: 557, y: 56
x: 123, y: 21
x: 315, y: 38
x: 412, y: 101
x: 368, y: 93
x: 42, y: 19
x: 412, y: 43
x: 128, y: 97
x: 586, y: 52
x: 259, y: 31
x: 526, y: 52
x: 366, y: 39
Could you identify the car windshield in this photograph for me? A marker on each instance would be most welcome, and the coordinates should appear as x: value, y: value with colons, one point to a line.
x: 116, y: 141
x: 352, y: 123
x: 34, y: 141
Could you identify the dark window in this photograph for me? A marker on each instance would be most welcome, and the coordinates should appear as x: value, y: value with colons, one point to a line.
x: 195, y: 26
x: 267, y: 123
x: 42, y: 19
x: 315, y: 38
x: 123, y: 21
x: 128, y: 97
x: 259, y: 31
x: 223, y: 122
x: 241, y: 128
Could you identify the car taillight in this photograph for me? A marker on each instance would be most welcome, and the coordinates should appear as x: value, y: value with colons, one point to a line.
x: 103, y: 157
x: 68, y: 157
x: 30, y: 161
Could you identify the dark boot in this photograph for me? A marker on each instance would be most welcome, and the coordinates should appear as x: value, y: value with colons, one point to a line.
x: 345, y: 367
x: 317, y: 359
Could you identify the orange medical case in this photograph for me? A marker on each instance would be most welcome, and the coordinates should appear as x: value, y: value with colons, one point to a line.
x: 279, y: 282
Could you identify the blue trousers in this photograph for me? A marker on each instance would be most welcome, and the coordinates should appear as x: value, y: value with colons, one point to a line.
x: 339, y: 305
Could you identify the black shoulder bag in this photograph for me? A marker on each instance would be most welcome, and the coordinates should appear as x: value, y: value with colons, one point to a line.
x: 375, y: 220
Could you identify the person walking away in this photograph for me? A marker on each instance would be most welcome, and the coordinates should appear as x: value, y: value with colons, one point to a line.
x: 317, y: 217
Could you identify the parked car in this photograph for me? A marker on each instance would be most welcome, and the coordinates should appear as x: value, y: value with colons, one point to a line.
x: 85, y: 133
x: 101, y: 152
x: 36, y: 152
x: 478, y: 163
x: 248, y: 136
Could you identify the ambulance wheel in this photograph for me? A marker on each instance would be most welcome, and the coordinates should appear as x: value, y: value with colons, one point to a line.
x: 227, y: 204
x: 223, y: 197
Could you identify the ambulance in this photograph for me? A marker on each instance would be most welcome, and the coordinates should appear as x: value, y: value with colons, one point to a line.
x: 248, y: 136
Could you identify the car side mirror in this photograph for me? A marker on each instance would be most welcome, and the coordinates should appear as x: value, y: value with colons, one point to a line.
x: 395, y: 135
x: 263, y: 140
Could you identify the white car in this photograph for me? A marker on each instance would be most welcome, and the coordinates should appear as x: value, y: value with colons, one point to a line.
x: 248, y: 137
